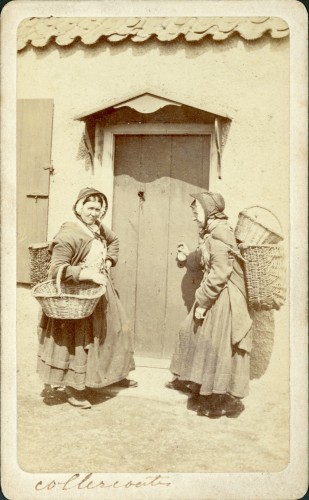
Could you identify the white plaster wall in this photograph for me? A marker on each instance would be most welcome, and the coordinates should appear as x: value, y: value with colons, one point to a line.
x: 249, y: 81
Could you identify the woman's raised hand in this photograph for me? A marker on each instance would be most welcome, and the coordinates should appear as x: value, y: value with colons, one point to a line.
x: 182, y: 252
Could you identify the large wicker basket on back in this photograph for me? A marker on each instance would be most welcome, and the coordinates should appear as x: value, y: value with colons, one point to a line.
x: 68, y: 300
x: 258, y: 226
x: 265, y: 276
x: 259, y: 231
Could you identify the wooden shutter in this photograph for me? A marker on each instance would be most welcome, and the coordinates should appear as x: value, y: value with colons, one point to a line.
x: 34, y: 134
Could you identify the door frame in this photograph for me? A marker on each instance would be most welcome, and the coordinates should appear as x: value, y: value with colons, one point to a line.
x: 105, y: 148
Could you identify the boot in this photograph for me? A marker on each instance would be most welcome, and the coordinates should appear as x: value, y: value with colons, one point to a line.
x: 77, y: 398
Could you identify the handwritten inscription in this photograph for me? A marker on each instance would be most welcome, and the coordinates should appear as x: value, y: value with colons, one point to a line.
x: 78, y: 482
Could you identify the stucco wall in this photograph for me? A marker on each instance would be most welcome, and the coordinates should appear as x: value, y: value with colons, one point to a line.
x: 249, y: 81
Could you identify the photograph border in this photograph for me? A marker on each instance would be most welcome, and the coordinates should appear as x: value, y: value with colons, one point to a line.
x: 292, y: 481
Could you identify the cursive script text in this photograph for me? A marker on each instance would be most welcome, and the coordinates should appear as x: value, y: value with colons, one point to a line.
x: 87, y: 482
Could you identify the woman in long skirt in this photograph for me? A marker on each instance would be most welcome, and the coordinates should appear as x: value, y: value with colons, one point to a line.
x: 212, y: 355
x: 97, y: 351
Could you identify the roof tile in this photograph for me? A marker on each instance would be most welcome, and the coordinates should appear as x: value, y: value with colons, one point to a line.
x: 92, y: 36
x: 220, y: 36
x: 39, y: 32
x: 194, y: 37
x: 138, y: 38
x: 132, y: 22
x: 117, y: 38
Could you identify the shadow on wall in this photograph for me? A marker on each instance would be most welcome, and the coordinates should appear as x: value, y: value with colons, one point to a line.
x: 83, y: 153
x: 190, y: 282
x: 263, y: 332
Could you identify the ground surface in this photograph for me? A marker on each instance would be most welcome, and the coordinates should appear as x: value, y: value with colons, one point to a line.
x: 149, y: 428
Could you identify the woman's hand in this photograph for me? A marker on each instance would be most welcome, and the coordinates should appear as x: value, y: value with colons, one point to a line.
x: 99, y: 278
x: 200, y: 312
x: 182, y: 252
x: 108, y: 264
x: 92, y: 274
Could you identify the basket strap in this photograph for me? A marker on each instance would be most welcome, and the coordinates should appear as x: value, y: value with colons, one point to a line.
x: 59, y: 276
x: 233, y: 250
x: 268, y: 210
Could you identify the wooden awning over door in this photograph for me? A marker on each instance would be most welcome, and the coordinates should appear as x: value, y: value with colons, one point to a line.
x: 148, y: 107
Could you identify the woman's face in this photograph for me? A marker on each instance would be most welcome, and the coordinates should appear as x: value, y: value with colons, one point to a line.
x: 90, y: 211
x: 198, y: 214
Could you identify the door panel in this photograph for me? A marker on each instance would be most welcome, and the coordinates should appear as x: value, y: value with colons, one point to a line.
x: 189, y: 163
x: 126, y: 220
x: 154, y: 176
x: 153, y: 246
x: 34, y: 129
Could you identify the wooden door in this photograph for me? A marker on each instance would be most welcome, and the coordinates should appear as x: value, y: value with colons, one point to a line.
x: 154, y: 176
x: 34, y: 131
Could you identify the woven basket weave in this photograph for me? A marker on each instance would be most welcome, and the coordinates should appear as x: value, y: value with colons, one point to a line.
x: 265, y: 276
x: 66, y: 300
x: 252, y: 228
x: 39, y: 262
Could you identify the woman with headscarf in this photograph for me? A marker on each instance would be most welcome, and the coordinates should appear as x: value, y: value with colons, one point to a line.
x: 97, y: 351
x: 213, y: 351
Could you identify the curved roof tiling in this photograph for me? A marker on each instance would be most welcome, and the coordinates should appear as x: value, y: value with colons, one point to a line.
x: 64, y: 31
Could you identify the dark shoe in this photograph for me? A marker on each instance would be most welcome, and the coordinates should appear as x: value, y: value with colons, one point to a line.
x: 79, y: 403
x: 48, y: 389
x: 204, y: 405
x: 219, y: 405
x: 195, y: 389
x: 178, y: 385
x: 53, y: 395
x: 126, y: 383
x: 51, y: 401
x: 212, y: 406
x: 78, y: 398
x: 233, y: 407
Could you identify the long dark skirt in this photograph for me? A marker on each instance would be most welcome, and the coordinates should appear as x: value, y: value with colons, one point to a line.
x: 205, y: 354
x: 93, y: 352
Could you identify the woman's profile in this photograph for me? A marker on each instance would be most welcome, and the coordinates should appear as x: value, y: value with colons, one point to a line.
x: 211, y: 358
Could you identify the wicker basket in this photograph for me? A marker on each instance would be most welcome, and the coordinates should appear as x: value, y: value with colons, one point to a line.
x: 258, y: 226
x: 265, y: 276
x: 39, y: 262
x: 66, y: 300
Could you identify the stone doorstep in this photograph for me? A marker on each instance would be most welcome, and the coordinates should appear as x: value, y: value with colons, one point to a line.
x: 152, y: 362
x: 151, y: 385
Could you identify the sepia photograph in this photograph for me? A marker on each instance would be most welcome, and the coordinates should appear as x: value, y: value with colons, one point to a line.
x: 160, y: 329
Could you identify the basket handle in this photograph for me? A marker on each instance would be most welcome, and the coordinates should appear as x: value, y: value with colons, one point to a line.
x: 59, y: 276
x: 268, y: 210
